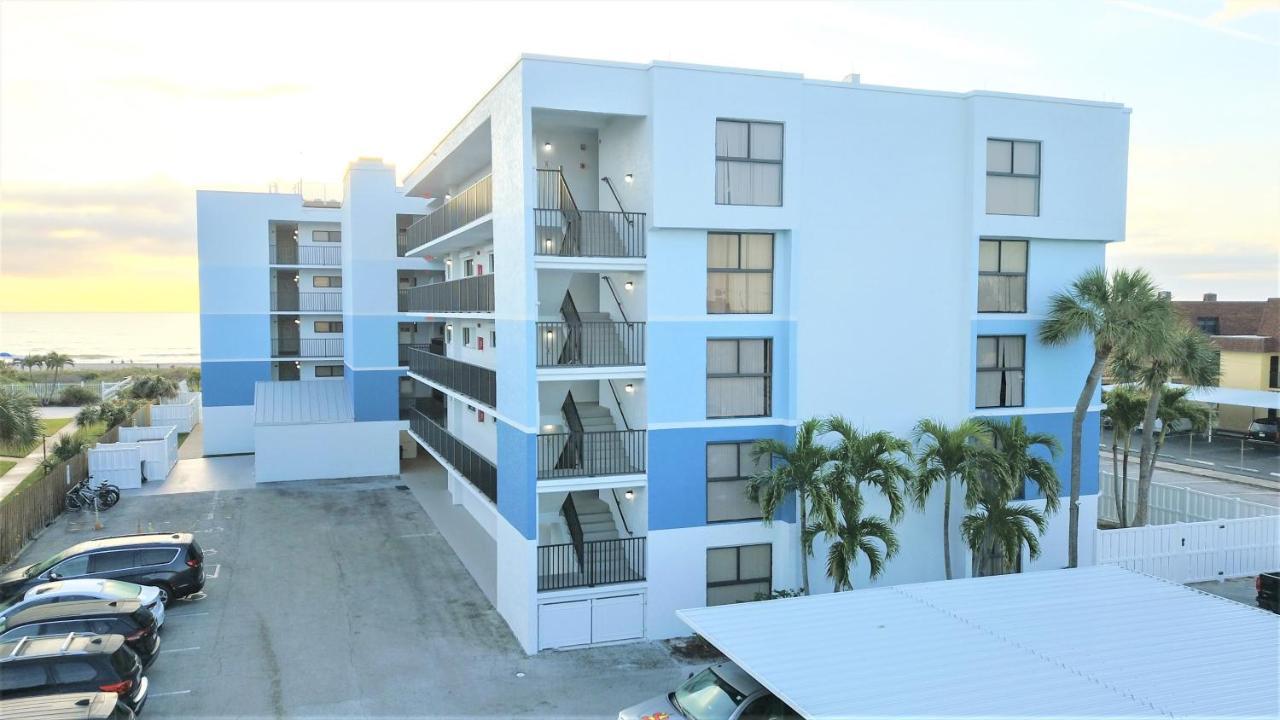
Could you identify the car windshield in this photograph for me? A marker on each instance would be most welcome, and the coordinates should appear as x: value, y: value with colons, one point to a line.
x: 706, y: 696
x: 115, y: 588
x: 40, y: 567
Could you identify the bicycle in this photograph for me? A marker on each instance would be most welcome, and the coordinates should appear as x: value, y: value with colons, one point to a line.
x: 81, y: 497
x: 108, y: 494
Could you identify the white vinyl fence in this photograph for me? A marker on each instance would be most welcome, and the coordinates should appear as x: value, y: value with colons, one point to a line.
x: 117, y: 463
x: 109, y: 390
x: 1175, y: 504
x: 1194, y: 552
x: 183, y: 415
x: 159, y: 446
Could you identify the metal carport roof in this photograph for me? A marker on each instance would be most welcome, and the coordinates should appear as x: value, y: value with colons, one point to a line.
x: 1092, y: 642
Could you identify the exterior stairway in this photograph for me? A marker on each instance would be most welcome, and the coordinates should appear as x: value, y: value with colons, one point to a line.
x: 600, y: 342
x: 594, y: 517
x: 602, y: 445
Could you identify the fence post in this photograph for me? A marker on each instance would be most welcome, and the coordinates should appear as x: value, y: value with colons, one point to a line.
x: 1235, y: 509
x: 1186, y: 503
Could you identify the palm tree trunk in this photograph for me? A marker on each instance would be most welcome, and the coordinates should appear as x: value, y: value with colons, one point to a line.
x: 1117, y: 488
x: 804, y: 554
x: 946, y: 528
x: 1124, y: 484
x: 1147, y: 458
x: 1077, y: 431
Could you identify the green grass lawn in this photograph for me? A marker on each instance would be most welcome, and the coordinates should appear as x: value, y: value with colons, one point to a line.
x: 91, y: 433
x: 51, y: 426
x: 6, y: 464
x: 182, y: 437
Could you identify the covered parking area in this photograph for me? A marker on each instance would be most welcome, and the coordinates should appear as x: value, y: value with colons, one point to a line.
x: 1092, y: 642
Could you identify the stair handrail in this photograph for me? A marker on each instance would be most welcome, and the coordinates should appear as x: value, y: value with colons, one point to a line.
x: 570, y: 513
x: 614, y: 291
x: 618, y: 402
x: 621, y: 514
x: 573, y: 337
x: 626, y: 215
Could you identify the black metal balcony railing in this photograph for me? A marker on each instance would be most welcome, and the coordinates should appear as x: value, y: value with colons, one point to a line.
x: 306, y: 347
x: 588, y: 454
x: 470, y: 464
x: 402, y: 300
x: 307, y: 302
x: 306, y: 255
x: 402, y: 243
x: 478, y: 383
x: 563, y: 230
x: 464, y: 208
x: 590, y: 344
x: 600, y: 562
x: 472, y: 294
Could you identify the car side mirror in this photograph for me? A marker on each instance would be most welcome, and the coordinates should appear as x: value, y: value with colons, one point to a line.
x: 55, y: 576
x: 690, y: 675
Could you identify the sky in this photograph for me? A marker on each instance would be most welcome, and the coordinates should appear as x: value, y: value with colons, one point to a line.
x: 111, y: 115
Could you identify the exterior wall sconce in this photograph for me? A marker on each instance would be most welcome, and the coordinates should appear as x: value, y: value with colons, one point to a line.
x: 448, y: 261
x: 447, y: 197
x: 550, y: 334
x: 629, y: 178
x: 628, y: 285
x: 295, y: 279
x: 546, y: 147
x: 449, y: 327
x: 297, y: 321
x: 629, y: 388
x: 630, y: 494
x: 297, y: 364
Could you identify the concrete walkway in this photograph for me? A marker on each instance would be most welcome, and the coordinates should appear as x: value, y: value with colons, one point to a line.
x: 26, y: 465
x: 193, y: 447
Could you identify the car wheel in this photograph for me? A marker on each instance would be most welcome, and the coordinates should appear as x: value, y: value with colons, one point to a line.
x: 165, y: 594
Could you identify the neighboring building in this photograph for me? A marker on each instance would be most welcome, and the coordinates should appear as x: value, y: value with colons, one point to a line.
x: 1248, y: 335
x: 646, y: 268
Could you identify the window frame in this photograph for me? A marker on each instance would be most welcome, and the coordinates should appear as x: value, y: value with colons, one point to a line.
x: 334, y: 327
x: 341, y: 371
x: 328, y: 281
x: 327, y: 233
x: 979, y: 369
x: 1216, y: 320
x: 782, y: 153
x: 773, y: 257
x: 767, y: 375
x: 1039, y: 175
x: 740, y: 580
x: 736, y: 478
x: 1026, y: 274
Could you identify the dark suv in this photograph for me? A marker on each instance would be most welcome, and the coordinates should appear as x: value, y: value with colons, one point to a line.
x: 72, y: 663
x: 172, y: 562
x: 127, y: 618
x: 68, y: 706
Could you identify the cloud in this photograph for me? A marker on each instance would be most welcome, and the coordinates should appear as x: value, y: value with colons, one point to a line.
x: 1216, y: 22
x: 1236, y: 9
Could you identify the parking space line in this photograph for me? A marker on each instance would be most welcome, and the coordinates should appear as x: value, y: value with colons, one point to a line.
x: 413, y: 535
x: 172, y: 692
x: 173, y: 650
x: 217, y: 568
x: 184, y: 614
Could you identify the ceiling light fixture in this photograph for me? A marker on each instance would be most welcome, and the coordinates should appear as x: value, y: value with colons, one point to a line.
x: 628, y: 178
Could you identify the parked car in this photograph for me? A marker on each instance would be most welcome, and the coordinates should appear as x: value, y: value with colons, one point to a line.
x: 720, y: 692
x: 1268, y: 587
x: 89, y: 589
x: 67, y: 706
x: 172, y: 562
x: 72, y: 663
x: 1264, y: 428
x: 127, y: 618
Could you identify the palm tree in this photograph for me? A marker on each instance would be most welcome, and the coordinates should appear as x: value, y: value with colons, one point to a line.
x: 945, y: 454
x: 878, y: 459
x: 20, y: 424
x: 1176, y: 405
x: 88, y: 415
x: 1124, y: 407
x: 68, y: 446
x: 998, y: 527
x: 55, y: 361
x: 31, y: 362
x: 1112, y: 311
x: 853, y: 535
x: 1176, y: 350
x: 793, y: 469
x: 153, y: 388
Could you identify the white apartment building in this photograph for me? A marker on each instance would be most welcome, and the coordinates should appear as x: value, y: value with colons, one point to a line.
x: 609, y: 279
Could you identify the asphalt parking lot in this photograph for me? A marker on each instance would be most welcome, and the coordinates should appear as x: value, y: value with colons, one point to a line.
x: 1227, y: 453
x: 340, y: 599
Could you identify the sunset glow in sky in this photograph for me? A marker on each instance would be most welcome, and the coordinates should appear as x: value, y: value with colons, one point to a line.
x: 112, y: 114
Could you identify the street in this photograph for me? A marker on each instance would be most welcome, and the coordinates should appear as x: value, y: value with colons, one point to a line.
x: 1253, y: 458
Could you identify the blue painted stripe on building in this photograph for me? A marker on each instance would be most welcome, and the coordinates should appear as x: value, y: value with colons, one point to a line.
x: 371, y: 340
x: 231, y: 383
x: 517, y: 479
x: 1059, y: 425
x: 678, y: 472
x: 235, y: 337
x: 374, y: 394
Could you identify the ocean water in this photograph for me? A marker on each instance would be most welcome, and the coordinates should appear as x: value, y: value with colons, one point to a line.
x: 166, y: 338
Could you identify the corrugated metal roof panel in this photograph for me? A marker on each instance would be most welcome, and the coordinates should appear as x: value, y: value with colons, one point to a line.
x: 1092, y: 642
x: 300, y: 402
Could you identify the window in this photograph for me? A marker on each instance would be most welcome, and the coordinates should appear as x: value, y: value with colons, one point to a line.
x: 75, y: 671
x: 1208, y: 325
x: 326, y: 236
x: 73, y: 567
x: 156, y: 556
x: 1002, y: 276
x: 23, y: 676
x: 115, y: 560
x: 748, y: 163
x: 448, y: 334
x: 739, y: 273
x: 327, y: 371
x: 468, y: 268
x: 739, y: 383
x: 327, y: 326
x: 493, y: 339
x: 729, y: 465
x: 466, y: 336
x: 326, y: 281
x: 1273, y: 373
x: 1013, y: 177
x: 736, y: 574
x: 1000, y: 370
x: 491, y: 266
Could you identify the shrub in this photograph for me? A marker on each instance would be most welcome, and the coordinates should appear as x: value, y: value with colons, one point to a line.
x: 193, y: 379
x: 153, y: 388
x: 77, y: 395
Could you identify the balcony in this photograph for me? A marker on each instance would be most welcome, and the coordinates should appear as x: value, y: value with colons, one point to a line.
x: 306, y: 347
x: 328, y: 302
x: 588, y: 563
x: 590, y: 344
x: 473, y: 381
x: 472, y: 294
x: 591, y: 454
x: 459, y: 211
x: 466, y: 461
x: 561, y: 229
x: 329, y: 256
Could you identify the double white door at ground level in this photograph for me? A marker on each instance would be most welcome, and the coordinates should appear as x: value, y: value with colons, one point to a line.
x: 590, y: 621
